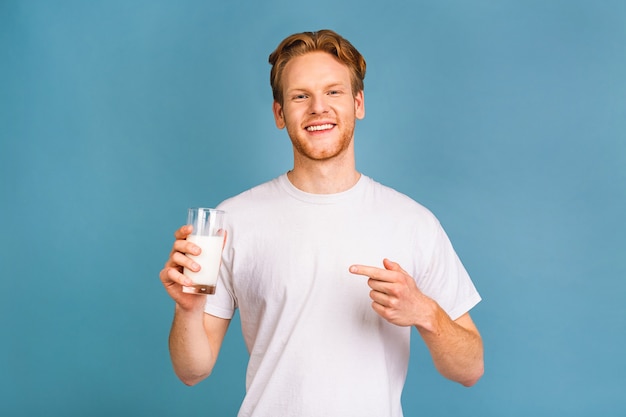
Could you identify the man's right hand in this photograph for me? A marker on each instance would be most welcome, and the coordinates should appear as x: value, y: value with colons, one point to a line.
x: 172, y: 273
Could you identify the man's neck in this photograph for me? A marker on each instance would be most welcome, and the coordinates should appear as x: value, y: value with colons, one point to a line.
x: 324, y: 179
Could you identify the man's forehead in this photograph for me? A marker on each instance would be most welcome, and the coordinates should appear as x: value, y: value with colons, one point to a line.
x: 320, y: 68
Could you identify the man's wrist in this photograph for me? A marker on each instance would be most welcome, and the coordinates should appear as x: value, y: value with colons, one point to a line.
x: 430, y: 317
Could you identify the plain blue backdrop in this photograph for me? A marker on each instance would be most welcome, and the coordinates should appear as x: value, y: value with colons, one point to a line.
x: 506, y: 118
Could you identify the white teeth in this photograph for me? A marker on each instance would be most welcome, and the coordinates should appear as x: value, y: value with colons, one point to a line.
x: 319, y: 127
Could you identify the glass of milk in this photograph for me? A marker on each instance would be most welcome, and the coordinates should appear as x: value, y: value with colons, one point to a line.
x: 209, y: 234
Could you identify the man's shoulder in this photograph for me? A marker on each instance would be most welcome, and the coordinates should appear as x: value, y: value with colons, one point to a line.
x: 256, y: 194
x: 389, y: 196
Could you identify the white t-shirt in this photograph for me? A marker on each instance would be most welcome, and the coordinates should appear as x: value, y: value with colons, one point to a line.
x: 317, y: 348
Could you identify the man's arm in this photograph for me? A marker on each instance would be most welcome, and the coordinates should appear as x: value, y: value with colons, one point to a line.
x: 195, y: 341
x: 195, y: 337
x: 455, y: 346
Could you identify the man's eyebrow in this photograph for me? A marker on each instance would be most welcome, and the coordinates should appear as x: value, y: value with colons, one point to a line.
x: 293, y: 91
x: 337, y: 84
x: 326, y: 87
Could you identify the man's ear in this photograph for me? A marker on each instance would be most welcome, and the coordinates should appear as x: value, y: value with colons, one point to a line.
x: 279, y: 118
x: 359, y: 105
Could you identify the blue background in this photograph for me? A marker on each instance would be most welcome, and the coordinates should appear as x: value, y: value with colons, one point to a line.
x: 506, y: 118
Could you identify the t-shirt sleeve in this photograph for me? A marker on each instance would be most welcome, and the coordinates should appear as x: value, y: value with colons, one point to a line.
x: 445, y: 279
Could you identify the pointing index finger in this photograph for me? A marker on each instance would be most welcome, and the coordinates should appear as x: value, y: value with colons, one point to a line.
x: 368, y: 271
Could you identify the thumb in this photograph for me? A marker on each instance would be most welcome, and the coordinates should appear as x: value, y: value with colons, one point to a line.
x: 393, y: 266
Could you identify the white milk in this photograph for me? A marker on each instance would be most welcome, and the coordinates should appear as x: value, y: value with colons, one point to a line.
x: 209, y: 260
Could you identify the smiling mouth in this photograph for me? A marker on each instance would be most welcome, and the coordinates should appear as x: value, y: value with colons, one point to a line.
x: 317, y: 128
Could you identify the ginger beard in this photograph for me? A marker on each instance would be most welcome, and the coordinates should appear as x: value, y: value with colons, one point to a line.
x: 331, y: 140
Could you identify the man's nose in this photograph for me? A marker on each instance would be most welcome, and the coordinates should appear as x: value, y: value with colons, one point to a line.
x: 319, y: 104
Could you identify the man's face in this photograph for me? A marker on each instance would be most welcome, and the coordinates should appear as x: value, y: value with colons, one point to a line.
x: 319, y: 109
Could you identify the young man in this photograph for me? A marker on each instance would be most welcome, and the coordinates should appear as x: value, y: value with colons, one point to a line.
x: 329, y: 269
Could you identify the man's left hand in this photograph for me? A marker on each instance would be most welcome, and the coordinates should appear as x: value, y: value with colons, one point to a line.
x: 394, y: 294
